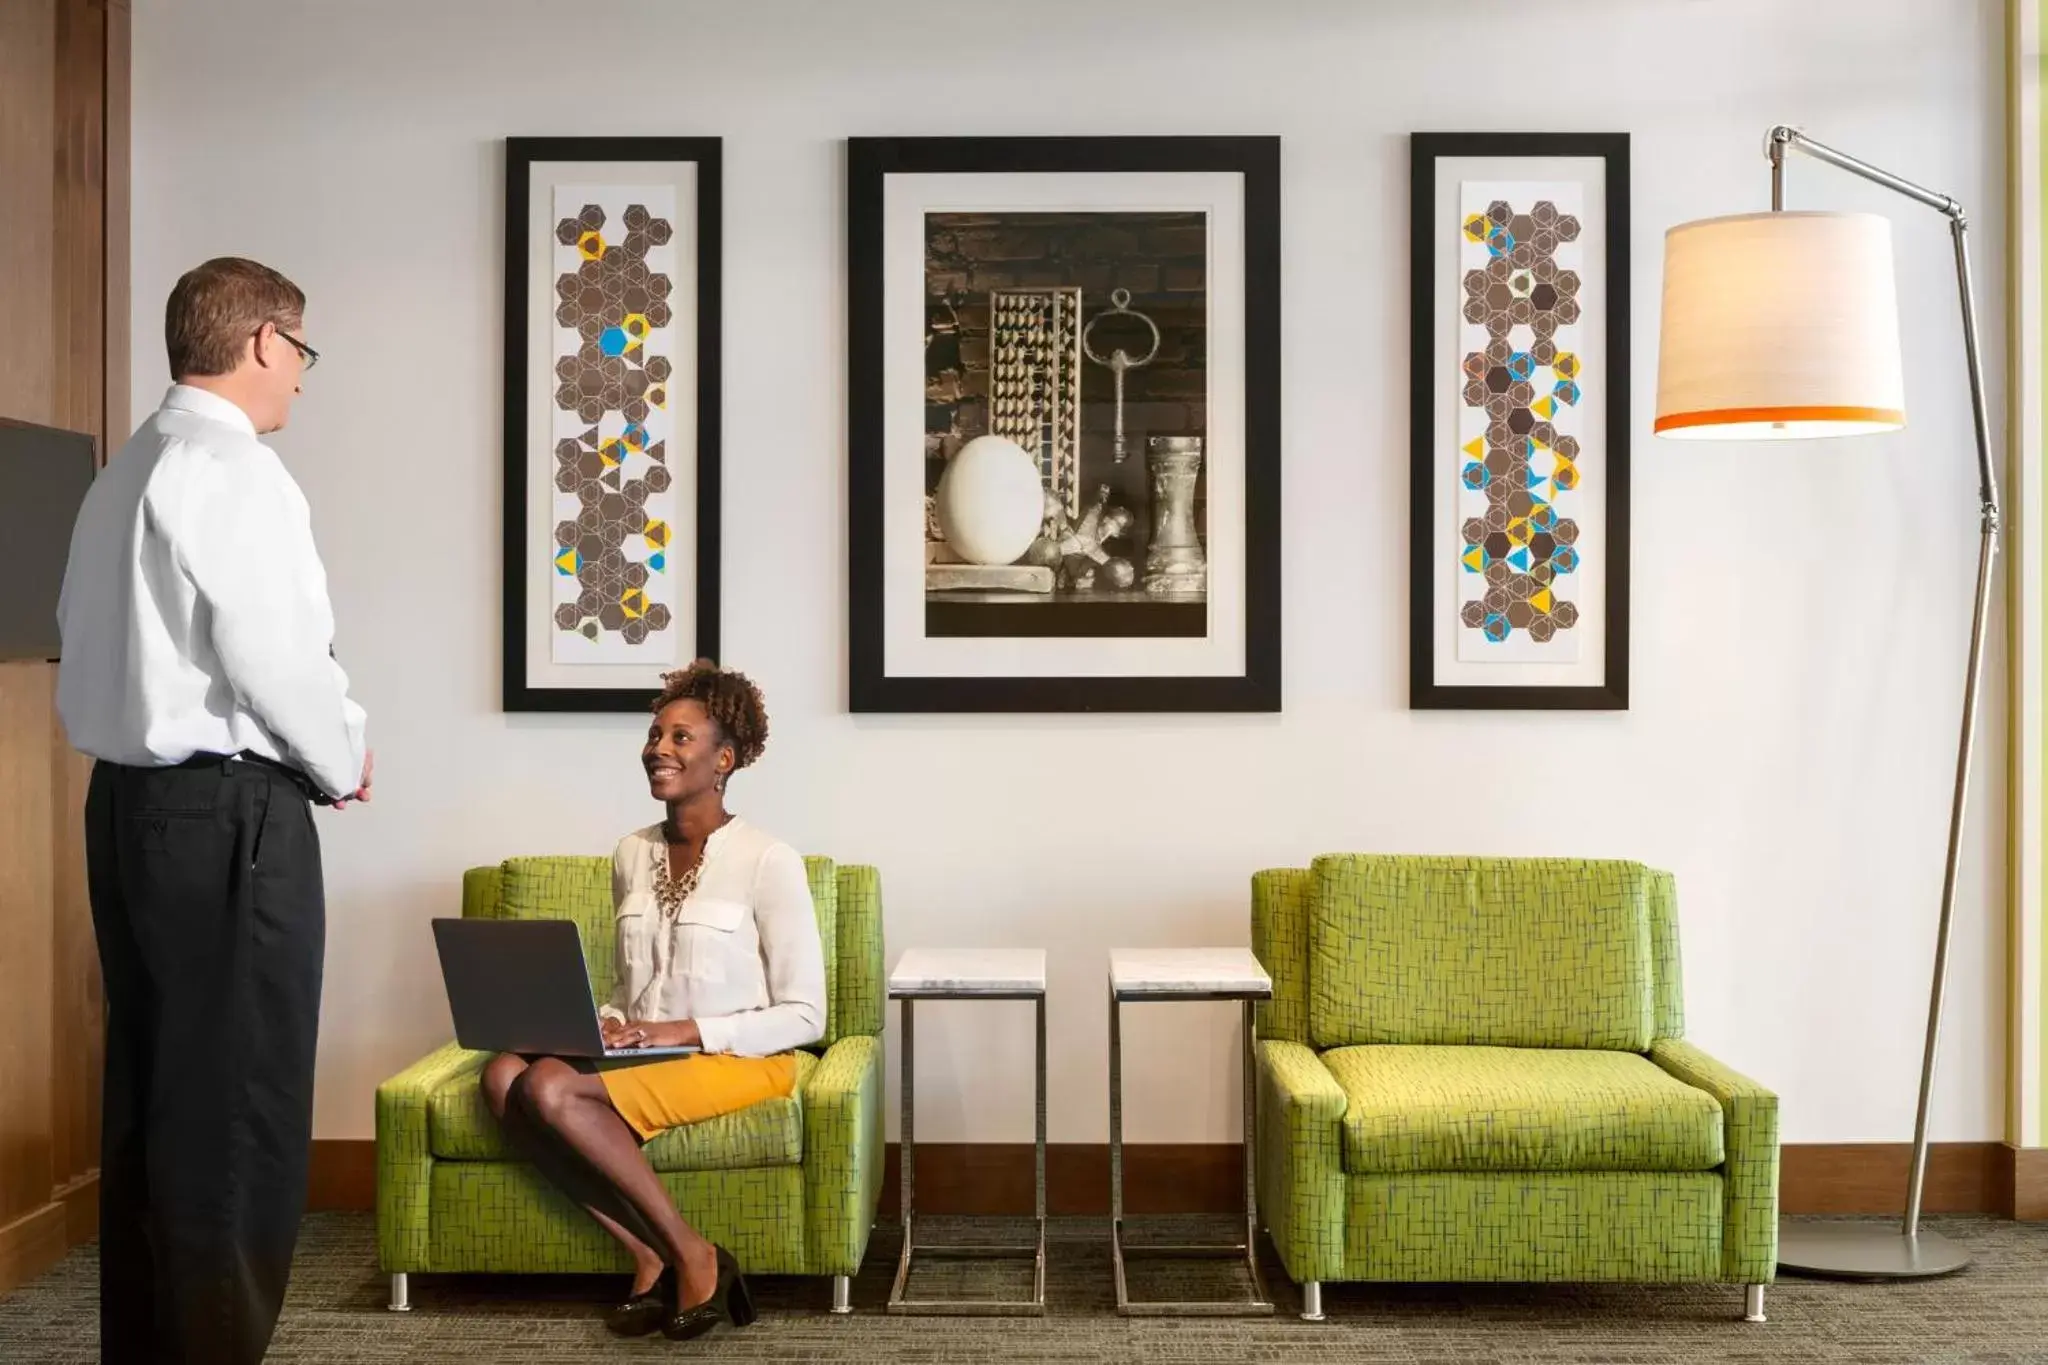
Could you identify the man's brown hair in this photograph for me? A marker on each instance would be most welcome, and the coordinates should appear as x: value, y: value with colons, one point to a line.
x: 218, y: 306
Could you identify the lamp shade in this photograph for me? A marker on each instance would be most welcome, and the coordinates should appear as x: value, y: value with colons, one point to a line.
x: 1779, y: 325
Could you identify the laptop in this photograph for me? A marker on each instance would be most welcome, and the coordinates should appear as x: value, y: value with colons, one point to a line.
x: 522, y: 986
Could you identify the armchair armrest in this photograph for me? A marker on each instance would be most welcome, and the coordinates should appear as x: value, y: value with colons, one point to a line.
x: 1301, y: 1159
x: 842, y: 1154
x: 1749, y: 1233
x: 405, y: 1165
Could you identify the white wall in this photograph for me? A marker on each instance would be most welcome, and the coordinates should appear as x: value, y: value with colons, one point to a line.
x: 1800, y: 613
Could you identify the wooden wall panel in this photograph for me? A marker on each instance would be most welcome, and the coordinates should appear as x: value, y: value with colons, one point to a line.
x: 118, y: 371
x: 77, y: 1003
x: 64, y: 157
x: 28, y: 68
x: 78, y: 237
x: 27, y: 717
x: 78, y: 337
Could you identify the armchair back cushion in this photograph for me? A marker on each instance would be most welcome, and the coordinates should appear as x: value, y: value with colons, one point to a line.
x: 1501, y: 952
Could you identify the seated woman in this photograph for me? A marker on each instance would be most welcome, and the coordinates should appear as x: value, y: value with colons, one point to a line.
x: 718, y: 949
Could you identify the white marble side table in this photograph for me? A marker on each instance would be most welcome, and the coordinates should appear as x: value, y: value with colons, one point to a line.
x: 966, y: 974
x: 1144, y: 975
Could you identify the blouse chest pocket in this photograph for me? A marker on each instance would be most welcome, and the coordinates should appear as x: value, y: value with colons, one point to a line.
x: 707, y: 932
x: 634, y: 930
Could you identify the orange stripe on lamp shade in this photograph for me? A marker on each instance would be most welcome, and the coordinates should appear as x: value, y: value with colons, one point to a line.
x: 1779, y: 325
x: 1781, y: 416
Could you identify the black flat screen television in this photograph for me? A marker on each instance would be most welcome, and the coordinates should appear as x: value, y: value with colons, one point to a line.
x: 44, y: 473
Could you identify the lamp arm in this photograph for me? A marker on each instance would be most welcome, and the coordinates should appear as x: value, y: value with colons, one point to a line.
x: 1782, y: 138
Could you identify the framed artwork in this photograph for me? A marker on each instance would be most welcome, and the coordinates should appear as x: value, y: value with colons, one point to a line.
x: 611, y: 417
x: 1065, y: 424
x: 1519, y: 421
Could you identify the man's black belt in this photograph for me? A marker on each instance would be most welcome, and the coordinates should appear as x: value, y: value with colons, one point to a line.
x: 306, y: 785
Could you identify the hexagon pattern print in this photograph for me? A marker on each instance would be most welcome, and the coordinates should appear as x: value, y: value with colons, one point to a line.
x: 614, y: 501
x: 1518, y: 459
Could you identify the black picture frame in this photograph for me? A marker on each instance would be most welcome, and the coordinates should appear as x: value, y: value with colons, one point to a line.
x: 1427, y: 448
x: 870, y: 161
x: 521, y: 153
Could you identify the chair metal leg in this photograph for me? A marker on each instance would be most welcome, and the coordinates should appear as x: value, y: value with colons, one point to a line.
x: 1312, y: 1301
x: 1753, y: 1303
x: 401, y: 1299
x: 842, y: 1294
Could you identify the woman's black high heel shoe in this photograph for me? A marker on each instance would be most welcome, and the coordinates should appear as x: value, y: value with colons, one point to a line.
x: 732, y: 1301
x: 644, y: 1314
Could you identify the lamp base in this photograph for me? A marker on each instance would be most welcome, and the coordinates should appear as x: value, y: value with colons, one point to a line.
x: 1865, y: 1251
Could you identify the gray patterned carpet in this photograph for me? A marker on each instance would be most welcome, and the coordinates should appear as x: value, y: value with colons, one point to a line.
x: 1997, y: 1311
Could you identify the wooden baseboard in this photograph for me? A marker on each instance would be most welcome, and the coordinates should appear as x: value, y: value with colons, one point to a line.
x: 38, y: 1239
x: 952, y: 1177
x: 985, y: 1178
x: 996, y: 1177
x: 342, y: 1177
x: 1870, y: 1177
x: 81, y: 1201
x: 31, y: 1244
x: 2029, y: 1184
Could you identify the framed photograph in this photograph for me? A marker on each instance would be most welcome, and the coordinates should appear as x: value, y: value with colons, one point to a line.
x: 1519, y: 421
x: 1065, y: 423
x: 611, y: 417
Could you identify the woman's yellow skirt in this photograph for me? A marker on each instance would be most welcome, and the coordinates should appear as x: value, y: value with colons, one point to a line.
x: 655, y: 1096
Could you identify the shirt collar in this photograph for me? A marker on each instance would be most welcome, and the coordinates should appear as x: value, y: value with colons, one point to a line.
x: 200, y: 403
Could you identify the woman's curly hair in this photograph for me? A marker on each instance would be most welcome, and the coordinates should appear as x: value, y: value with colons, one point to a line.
x: 729, y: 697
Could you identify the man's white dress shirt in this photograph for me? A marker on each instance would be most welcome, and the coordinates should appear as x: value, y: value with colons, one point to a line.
x: 194, y: 614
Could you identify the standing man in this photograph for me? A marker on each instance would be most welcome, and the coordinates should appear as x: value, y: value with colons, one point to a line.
x: 198, y: 669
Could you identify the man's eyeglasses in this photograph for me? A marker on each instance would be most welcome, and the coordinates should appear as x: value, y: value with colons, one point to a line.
x: 307, y: 354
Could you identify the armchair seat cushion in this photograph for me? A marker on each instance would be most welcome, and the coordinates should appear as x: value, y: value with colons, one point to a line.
x: 460, y: 1127
x: 1490, y: 1109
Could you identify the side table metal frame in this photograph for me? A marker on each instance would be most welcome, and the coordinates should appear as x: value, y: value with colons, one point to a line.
x: 1261, y: 1303
x: 898, y: 1302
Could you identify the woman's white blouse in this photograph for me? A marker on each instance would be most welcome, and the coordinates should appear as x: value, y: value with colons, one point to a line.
x: 742, y: 958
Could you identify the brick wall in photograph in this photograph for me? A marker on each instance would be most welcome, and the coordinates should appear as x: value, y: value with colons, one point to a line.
x: 1161, y: 258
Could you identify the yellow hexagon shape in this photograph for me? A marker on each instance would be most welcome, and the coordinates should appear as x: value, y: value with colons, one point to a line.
x: 591, y: 244
x: 634, y: 603
x: 657, y: 534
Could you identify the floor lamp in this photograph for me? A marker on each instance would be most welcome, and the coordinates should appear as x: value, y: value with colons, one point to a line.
x: 1784, y: 325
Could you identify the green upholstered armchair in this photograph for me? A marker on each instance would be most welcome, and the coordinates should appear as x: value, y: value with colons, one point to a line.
x: 1475, y: 1069
x: 790, y: 1186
